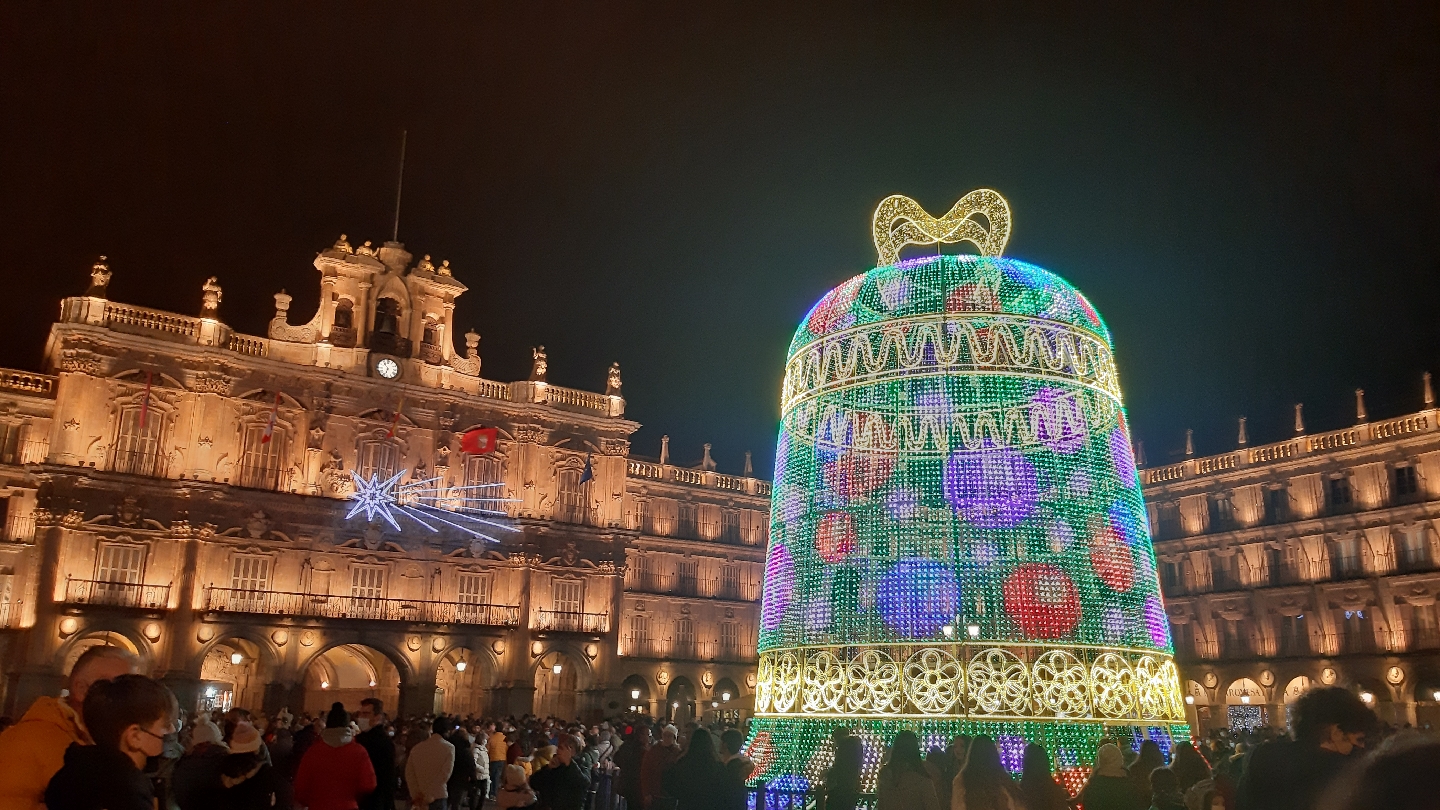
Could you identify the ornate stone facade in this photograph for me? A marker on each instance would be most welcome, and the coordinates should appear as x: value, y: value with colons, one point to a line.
x: 1312, y: 560
x: 177, y: 488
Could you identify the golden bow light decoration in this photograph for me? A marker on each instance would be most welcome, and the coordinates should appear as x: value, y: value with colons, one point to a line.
x: 900, y: 221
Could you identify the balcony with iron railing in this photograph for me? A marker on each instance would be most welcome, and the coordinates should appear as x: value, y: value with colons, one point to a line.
x: 1293, y: 644
x: 116, y: 594
x: 643, y: 581
x: 1413, y: 560
x: 1347, y: 566
x: 282, y: 603
x: 150, y: 463
x: 567, y: 621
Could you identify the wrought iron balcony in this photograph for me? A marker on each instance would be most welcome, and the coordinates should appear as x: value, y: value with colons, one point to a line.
x: 282, y: 603
x: 116, y: 594
x: 565, y: 621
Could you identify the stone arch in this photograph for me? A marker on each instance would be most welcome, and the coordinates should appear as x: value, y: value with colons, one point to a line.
x: 394, y: 654
x: 635, y: 691
x: 559, y: 678
x: 233, y: 674
x: 103, y: 633
x: 464, y: 676
x: 681, y: 701
x: 349, y: 673
x: 271, y: 658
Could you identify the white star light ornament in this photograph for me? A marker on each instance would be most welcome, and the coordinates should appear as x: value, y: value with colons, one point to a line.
x: 426, y: 503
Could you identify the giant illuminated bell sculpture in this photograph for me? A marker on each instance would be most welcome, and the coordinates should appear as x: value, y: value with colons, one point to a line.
x: 958, y: 541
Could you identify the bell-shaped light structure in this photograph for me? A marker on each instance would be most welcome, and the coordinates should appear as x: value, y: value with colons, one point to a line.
x: 958, y: 542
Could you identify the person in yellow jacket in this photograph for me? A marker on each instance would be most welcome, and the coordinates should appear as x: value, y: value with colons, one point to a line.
x: 33, y: 749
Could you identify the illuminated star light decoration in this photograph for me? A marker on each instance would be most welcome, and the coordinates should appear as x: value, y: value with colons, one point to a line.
x: 958, y: 541
x: 429, y: 503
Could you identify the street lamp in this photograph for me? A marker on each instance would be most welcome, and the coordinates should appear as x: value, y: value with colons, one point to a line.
x: 1367, y: 697
x: 556, y: 669
x: 460, y: 665
x: 725, y: 696
x: 236, y: 658
x: 1245, y: 699
x: 1190, y: 700
x: 634, y: 694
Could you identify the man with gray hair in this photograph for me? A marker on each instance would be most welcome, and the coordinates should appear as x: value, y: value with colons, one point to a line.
x: 33, y: 749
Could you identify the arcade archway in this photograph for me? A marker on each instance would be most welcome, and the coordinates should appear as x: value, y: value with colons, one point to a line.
x: 680, y: 702
x: 460, y: 683
x: 636, y: 693
x: 1245, y: 708
x: 557, y: 686
x: 350, y: 673
x: 230, y: 677
x: 104, y: 638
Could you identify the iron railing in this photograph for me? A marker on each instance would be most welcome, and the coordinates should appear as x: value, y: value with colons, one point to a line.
x: 116, y: 594
x: 283, y: 603
x: 566, y: 621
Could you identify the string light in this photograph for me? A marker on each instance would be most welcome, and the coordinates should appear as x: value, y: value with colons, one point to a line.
x: 430, y: 502
x: 953, y: 453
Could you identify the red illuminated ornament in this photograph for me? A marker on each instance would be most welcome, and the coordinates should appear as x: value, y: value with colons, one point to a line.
x: 835, y: 538
x: 833, y: 311
x: 762, y: 753
x: 1042, y: 600
x: 1111, y: 558
x: 972, y: 298
x: 856, y: 475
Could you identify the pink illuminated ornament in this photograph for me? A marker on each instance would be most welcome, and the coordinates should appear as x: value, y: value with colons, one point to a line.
x: 1124, y: 458
x: 1042, y: 600
x: 1157, y: 622
x: 779, y: 586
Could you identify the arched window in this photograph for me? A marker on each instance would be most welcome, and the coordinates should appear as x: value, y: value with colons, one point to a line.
x: 261, y: 462
x: 345, y: 314
x: 387, y: 315
x: 572, y: 501
x: 378, y: 457
x: 137, y: 445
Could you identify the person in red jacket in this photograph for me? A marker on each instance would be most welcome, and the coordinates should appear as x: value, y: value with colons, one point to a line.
x: 336, y: 771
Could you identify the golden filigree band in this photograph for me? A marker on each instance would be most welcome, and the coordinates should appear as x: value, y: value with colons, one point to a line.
x: 1013, y: 682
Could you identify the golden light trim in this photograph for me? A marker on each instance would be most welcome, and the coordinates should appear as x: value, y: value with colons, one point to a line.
x: 981, y: 682
x: 900, y: 221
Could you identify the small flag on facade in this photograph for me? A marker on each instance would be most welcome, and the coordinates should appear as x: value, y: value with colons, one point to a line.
x: 145, y: 403
x: 589, y: 472
x: 270, y: 425
x: 479, y: 441
x: 395, y: 422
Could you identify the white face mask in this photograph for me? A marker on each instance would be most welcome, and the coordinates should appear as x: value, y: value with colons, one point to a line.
x: 363, y: 723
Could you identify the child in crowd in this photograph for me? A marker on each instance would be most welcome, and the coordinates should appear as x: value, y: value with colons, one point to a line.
x: 516, y: 791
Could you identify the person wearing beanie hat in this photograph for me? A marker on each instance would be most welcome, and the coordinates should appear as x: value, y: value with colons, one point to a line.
x: 195, y: 782
x: 335, y: 772
x: 248, y: 782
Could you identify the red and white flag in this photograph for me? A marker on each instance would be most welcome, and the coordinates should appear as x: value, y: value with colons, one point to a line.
x: 395, y: 422
x: 479, y: 441
x: 270, y: 425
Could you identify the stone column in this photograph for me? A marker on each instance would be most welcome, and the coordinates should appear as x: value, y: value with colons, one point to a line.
x: 180, y: 627
x: 38, y: 674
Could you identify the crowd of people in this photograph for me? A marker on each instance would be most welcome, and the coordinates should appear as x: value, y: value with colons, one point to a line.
x: 117, y: 740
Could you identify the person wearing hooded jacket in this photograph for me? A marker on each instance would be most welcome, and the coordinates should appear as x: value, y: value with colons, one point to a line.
x: 335, y: 773
x: 247, y: 781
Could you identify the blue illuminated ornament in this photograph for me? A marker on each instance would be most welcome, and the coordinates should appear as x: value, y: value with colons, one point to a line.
x: 428, y: 502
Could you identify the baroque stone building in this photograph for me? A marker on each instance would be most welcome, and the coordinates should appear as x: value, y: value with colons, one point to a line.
x: 1313, y: 560
x: 181, y: 489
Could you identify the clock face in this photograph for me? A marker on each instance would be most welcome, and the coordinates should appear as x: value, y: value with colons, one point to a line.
x: 387, y: 368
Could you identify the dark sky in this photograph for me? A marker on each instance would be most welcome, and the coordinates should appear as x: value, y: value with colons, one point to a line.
x: 1249, y: 196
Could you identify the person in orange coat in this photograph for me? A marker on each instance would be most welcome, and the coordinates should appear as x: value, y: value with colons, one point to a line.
x: 32, y: 750
x: 336, y: 771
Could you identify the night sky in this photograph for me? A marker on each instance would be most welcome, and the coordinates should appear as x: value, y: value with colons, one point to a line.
x: 1249, y: 197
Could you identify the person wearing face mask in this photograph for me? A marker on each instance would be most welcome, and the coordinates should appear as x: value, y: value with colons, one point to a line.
x: 128, y: 719
x: 1330, y: 725
x: 33, y: 749
x: 374, y: 737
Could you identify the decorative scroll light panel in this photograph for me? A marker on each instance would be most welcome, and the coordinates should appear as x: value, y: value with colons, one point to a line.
x: 958, y: 541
